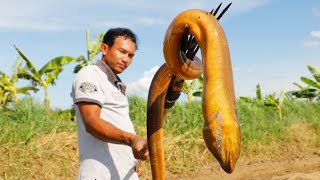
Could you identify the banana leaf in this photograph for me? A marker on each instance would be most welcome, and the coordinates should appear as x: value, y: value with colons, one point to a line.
x: 56, y: 63
x: 310, y: 82
x: 315, y: 72
x: 29, y: 63
x: 25, y: 90
x: 28, y: 76
x: 258, y: 92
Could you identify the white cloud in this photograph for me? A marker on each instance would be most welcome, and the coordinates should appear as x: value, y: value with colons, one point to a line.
x: 141, y: 86
x: 73, y: 15
x: 312, y: 44
x: 315, y: 34
x: 30, y: 23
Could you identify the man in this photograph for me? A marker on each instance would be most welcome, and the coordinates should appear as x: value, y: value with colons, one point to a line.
x: 108, y: 145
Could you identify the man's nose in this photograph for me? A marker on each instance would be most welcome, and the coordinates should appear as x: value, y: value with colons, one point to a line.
x: 126, y: 58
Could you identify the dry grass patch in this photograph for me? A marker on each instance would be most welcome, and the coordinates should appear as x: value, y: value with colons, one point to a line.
x: 50, y: 156
x: 55, y: 155
x: 301, y: 139
x: 184, y: 154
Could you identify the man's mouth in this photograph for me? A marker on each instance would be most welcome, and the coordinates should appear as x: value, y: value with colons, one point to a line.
x: 122, y: 66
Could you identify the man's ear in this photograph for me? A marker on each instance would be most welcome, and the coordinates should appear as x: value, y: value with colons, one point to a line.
x: 104, y: 47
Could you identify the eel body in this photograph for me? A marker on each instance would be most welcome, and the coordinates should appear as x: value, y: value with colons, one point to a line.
x: 221, y: 130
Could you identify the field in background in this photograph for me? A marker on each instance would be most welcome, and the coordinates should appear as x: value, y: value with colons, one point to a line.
x: 36, y: 145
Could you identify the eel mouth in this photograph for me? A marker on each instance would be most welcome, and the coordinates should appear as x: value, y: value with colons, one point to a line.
x: 227, y: 166
x: 223, y: 144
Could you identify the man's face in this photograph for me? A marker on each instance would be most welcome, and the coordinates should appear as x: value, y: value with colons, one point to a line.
x: 119, y: 56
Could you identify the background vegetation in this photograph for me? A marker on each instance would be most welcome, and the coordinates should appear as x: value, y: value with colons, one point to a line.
x: 38, y: 142
x: 38, y: 145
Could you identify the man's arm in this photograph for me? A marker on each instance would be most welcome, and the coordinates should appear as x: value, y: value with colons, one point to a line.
x: 106, y: 131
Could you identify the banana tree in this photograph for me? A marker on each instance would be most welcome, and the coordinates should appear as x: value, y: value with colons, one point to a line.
x: 188, y: 88
x: 193, y: 88
x: 274, y: 103
x: 44, y: 77
x: 198, y: 93
x: 93, y: 48
x: 253, y: 100
x: 312, y: 91
x: 8, y: 89
x: 270, y: 102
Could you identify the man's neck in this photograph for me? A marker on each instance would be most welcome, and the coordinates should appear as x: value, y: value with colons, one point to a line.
x: 112, y: 77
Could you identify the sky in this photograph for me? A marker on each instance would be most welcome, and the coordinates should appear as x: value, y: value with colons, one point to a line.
x: 271, y: 42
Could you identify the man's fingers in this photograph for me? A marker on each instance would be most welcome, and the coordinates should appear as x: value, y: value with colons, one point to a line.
x: 145, y: 148
x: 145, y: 151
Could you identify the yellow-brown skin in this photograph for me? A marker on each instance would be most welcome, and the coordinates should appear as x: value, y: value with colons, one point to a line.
x: 221, y: 130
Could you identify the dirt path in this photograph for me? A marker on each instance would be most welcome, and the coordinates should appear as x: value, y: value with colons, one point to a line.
x: 298, y: 167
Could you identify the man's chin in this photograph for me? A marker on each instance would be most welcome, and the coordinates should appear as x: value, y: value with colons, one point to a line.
x: 118, y: 71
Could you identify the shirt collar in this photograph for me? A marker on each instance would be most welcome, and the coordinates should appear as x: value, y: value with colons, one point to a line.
x: 114, y: 79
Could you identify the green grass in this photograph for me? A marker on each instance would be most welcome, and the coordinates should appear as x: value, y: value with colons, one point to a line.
x: 257, y: 122
x: 263, y: 133
x: 301, y: 111
x: 31, y: 139
x: 27, y: 119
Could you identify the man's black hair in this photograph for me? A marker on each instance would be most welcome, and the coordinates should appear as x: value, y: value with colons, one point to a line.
x: 112, y: 33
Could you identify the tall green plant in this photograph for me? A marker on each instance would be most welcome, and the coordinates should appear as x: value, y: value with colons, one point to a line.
x: 258, y: 98
x: 312, y: 91
x: 188, y: 88
x: 44, y: 77
x: 193, y: 88
x: 198, y: 92
x: 275, y: 103
x: 8, y: 90
x: 93, y: 49
x: 270, y: 102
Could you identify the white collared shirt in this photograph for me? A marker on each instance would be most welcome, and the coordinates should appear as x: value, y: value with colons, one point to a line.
x: 99, y: 158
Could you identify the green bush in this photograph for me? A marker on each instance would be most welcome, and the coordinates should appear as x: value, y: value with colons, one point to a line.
x: 28, y: 118
x: 27, y: 110
x: 257, y: 123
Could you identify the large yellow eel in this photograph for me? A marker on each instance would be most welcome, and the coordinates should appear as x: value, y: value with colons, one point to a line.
x: 221, y: 130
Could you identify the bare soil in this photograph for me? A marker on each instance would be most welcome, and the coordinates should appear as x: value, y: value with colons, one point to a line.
x: 293, y: 168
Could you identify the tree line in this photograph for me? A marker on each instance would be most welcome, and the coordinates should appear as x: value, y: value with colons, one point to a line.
x: 47, y: 75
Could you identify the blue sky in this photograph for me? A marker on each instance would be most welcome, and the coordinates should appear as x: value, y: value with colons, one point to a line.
x: 271, y: 42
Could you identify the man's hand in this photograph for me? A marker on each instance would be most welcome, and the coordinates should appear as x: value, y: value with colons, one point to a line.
x: 140, y: 148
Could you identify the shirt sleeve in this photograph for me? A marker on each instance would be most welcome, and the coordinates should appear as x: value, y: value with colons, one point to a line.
x: 86, y: 87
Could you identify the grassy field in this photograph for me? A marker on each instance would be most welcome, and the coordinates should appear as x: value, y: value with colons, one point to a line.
x: 38, y: 145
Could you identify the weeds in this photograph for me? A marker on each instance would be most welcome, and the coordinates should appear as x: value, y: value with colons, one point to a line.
x: 37, y: 145
x: 28, y: 119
